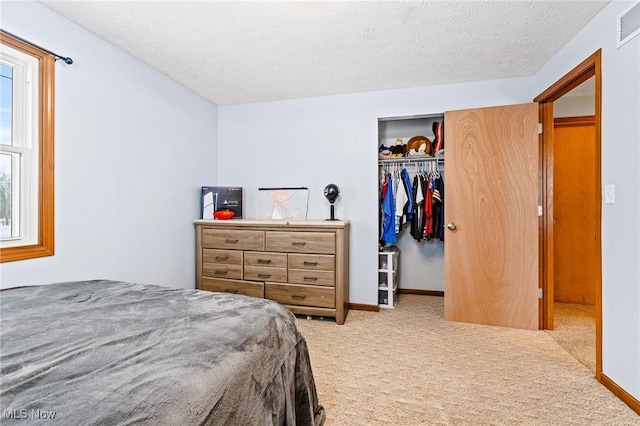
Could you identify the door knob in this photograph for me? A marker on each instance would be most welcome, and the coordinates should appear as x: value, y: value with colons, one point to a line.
x: 451, y: 226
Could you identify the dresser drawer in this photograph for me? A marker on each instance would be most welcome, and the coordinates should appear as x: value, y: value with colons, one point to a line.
x: 221, y: 270
x: 233, y: 286
x: 231, y: 257
x: 265, y: 258
x: 301, y: 242
x: 265, y: 273
x: 234, y: 239
x: 302, y: 276
x: 304, y: 295
x: 322, y: 262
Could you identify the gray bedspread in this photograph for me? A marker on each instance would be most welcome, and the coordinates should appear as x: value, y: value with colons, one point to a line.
x: 105, y: 352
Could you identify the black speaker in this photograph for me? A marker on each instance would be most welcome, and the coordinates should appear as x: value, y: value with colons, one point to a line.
x: 331, y: 192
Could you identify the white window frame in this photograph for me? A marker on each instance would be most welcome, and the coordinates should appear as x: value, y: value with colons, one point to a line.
x: 24, y: 148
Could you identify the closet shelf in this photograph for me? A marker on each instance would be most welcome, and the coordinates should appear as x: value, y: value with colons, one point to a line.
x: 386, y: 288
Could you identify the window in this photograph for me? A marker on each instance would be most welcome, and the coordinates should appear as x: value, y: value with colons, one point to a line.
x: 26, y: 150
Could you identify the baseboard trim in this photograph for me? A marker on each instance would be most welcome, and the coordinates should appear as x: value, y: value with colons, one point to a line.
x: 376, y: 308
x: 421, y: 292
x: 363, y: 307
x: 624, y: 396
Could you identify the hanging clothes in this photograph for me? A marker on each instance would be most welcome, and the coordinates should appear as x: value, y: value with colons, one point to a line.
x: 428, y: 209
x: 423, y: 183
x: 408, y: 208
x: 418, y: 201
x: 439, y: 204
x: 389, y: 211
x: 382, y: 191
x: 400, y: 200
x: 418, y: 209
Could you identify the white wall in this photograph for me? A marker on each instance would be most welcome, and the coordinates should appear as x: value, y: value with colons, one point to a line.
x: 620, y: 167
x: 132, y: 149
x: 312, y: 142
x: 574, y: 106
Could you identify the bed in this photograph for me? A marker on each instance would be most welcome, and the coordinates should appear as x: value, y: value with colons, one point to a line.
x: 107, y: 352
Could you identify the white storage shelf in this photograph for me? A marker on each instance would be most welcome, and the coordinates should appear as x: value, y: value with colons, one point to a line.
x: 388, y: 278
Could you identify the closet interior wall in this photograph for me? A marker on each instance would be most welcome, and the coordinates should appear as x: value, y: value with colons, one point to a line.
x: 421, y: 264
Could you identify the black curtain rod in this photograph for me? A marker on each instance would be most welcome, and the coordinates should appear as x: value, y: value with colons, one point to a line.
x: 67, y: 60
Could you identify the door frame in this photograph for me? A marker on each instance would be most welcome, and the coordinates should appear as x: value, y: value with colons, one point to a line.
x: 590, y: 67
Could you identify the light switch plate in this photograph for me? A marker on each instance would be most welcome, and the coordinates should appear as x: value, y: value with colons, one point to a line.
x: 609, y: 194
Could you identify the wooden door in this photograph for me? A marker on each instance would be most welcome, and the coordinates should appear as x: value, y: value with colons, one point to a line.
x: 575, y: 236
x: 491, y: 187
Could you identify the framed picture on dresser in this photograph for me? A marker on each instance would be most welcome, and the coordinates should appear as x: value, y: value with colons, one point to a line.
x: 283, y: 203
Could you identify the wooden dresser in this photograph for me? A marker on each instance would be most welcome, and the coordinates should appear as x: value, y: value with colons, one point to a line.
x: 304, y: 264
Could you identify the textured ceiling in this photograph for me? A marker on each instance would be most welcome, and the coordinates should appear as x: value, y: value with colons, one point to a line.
x: 243, y: 52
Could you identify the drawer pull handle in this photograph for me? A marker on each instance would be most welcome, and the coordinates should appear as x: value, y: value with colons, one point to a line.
x: 310, y: 263
x: 222, y: 257
x: 264, y: 261
x: 232, y: 290
x: 221, y: 271
x: 264, y: 275
x: 298, y: 243
x: 298, y: 296
x: 311, y: 278
x: 231, y: 241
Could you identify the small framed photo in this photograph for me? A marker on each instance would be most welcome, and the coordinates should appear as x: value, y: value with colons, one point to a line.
x: 283, y: 203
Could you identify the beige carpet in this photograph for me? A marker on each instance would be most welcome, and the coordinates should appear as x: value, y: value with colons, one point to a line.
x: 575, y: 331
x: 407, y: 366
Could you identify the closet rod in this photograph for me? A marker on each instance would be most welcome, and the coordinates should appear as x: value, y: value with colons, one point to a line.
x: 410, y: 160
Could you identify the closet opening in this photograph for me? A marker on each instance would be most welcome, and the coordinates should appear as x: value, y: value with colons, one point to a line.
x: 411, y: 207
